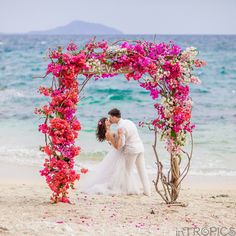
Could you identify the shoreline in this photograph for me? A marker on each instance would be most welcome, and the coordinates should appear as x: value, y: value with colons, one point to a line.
x: 11, y: 173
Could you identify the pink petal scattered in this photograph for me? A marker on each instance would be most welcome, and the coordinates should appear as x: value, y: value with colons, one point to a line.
x: 60, y: 222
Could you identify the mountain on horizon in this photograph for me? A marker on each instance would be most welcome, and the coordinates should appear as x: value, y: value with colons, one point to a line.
x: 79, y: 27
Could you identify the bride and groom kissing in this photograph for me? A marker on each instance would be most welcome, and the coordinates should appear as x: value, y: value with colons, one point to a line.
x: 115, y: 173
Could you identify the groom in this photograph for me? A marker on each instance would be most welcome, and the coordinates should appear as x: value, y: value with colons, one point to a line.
x: 132, y: 147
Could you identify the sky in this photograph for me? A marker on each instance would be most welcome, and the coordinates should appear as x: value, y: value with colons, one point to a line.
x: 129, y: 16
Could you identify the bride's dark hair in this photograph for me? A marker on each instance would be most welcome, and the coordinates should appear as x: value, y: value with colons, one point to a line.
x: 101, y: 129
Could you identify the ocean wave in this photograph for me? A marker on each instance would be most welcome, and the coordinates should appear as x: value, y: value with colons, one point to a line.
x: 3, y: 87
x: 213, y: 172
x: 118, y: 97
x: 33, y: 157
x: 10, y: 93
x: 115, y: 91
x: 7, y: 94
x: 21, y: 155
x: 201, y: 90
x: 8, y: 50
x: 17, y: 83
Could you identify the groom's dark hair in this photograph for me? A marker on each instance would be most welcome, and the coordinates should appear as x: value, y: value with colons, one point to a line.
x: 115, y: 112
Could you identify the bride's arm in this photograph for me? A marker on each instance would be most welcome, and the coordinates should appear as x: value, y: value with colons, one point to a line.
x: 117, y: 144
x: 110, y: 138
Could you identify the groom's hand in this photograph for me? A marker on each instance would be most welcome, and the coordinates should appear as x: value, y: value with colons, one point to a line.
x: 120, y: 132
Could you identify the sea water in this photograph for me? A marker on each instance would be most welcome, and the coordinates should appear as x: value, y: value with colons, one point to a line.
x: 214, y: 108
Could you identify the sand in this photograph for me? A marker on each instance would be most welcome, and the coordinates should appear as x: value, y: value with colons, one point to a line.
x: 26, y: 209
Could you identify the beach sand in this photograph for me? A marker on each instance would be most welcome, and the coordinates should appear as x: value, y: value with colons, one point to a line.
x: 26, y: 209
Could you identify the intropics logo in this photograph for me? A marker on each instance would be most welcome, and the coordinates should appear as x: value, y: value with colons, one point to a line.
x: 206, y: 231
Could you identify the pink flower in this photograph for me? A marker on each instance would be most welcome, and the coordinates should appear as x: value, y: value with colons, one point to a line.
x: 154, y: 94
x: 84, y: 171
x: 43, y: 128
x: 195, y: 80
x: 71, y: 47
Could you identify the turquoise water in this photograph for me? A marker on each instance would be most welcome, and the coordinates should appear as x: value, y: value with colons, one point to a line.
x: 214, y: 111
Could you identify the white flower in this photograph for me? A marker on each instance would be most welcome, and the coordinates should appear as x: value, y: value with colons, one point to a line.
x: 190, y: 52
x: 116, y: 49
x: 195, y: 80
x: 191, y: 49
x: 148, y: 78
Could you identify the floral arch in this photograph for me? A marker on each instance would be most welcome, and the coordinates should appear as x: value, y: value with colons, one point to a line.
x: 168, y: 71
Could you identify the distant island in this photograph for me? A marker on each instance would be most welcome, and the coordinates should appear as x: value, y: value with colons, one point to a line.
x: 79, y: 27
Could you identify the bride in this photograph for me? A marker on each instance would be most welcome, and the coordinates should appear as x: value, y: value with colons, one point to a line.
x: 110, y: 175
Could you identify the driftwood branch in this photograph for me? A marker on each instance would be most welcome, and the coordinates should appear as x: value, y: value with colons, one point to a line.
x: 168, y: 187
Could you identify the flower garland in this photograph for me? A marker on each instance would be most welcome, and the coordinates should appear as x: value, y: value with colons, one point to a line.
x: 165, y: 70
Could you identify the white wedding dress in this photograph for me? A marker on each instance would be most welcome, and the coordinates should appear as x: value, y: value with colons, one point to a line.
x: 110, y: 177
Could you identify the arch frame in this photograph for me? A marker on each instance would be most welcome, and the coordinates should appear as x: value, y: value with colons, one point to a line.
x: 163, y: 69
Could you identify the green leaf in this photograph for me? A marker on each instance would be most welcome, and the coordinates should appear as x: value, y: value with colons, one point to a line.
x: 173, y: 134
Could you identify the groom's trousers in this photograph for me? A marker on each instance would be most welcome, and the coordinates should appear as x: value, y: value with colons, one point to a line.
x: 137, y: 159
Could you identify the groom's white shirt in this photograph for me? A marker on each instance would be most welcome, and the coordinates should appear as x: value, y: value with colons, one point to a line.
x: 131, y: 141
